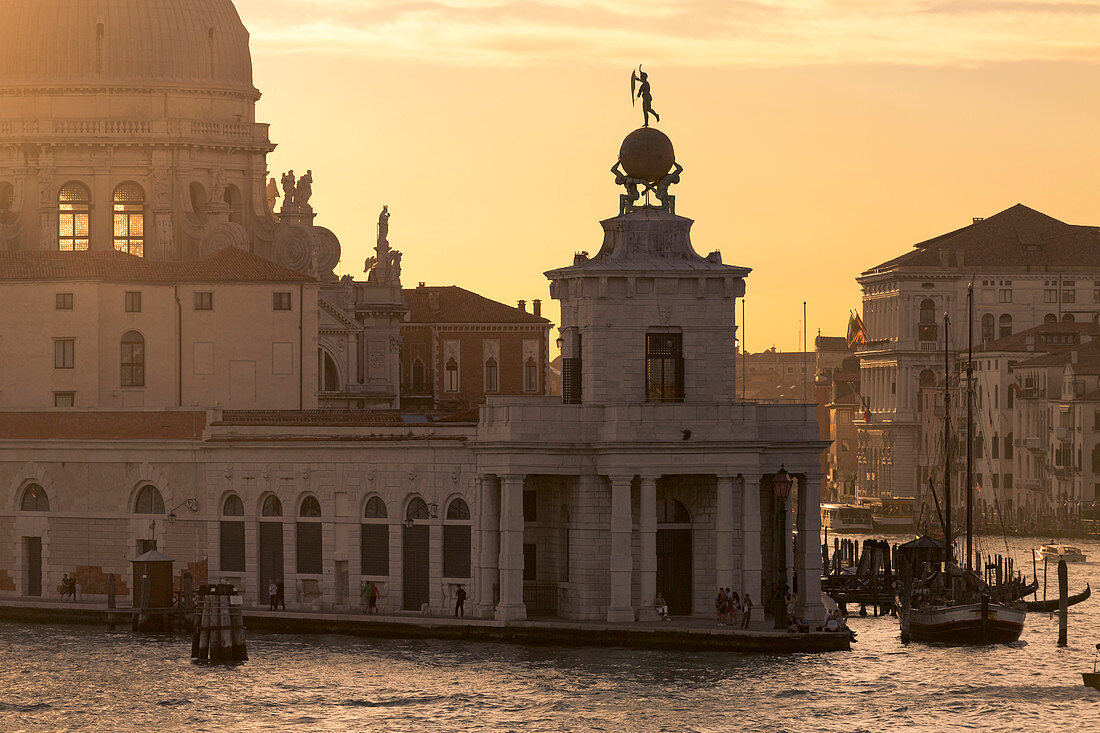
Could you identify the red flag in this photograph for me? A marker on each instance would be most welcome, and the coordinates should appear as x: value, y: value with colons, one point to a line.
x: 857, y: 332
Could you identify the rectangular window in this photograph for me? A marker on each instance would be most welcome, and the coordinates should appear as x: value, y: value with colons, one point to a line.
x: 232, y: 547
x: 1069, y: 296
x: 492, y: 381
x: 280, y: 301
x: 1008, y: 481
x: 1004, y: 296
x: 450, y: 376
x: 664, y: 367
x: 456, y: 550
x: 309, y: 548
x: 530, y: 377
x: 530, y: 506
x: 375, y: 555
x: 63, y: 353
x: 204, y: 301
x: 63, y: 301
x: 64, y: 399
x: 133, y: 302
x: 1050, y: 296
x: 530, y: 563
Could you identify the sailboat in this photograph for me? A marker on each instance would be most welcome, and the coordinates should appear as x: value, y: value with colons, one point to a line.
x: 955, y: 604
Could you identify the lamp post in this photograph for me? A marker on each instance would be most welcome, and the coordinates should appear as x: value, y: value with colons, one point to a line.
x: 781, y: 485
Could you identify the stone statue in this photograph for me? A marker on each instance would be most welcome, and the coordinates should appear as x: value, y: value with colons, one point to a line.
x: 395, y: 267
x: 639, y: 89
x: 288, y: 188
x: 272, y: 194
x: 660, y: 189
x: 369, y: 266
x: 304, y: 190
x: 162, y: 188
x: 628, y: 201
x: 217, y: 190
x: 384, y: 225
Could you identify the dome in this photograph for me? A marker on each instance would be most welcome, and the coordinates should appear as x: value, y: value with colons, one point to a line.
x: 97, y: 43
x: 647, y: 154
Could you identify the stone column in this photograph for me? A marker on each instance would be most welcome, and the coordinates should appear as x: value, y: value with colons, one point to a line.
x: 489, y: 531
x: 723, y: 532
x: 647, y: 542
x: 750, y: 543
x: 809, y: 559
x: 511, y: 607
x: 620, y: 610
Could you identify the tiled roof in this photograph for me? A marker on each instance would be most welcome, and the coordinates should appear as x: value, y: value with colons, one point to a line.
x: 1016, y: 237
x: 338, y: 418
x: 1018, y: 341
x: 227, y: 265
x: 65, y: 425
x: 452, y: 304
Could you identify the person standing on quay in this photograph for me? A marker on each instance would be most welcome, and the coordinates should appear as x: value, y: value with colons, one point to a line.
x: 272, y: 594
x: 364, y: 593
x: 372, y: 598
x: 460, y: 601
x: 280, y: 594
x: 747, y: 606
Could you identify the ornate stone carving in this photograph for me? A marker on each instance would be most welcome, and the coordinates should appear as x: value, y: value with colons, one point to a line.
x: 162, y: 188
x: 217, y: 187
x: 165, y: 245
x: 272, y: 194
x: 224, y: 235
x: 46, y: 196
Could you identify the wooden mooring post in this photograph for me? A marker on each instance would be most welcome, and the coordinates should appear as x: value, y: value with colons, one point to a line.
x: 1063, y: 605
x: 219, y: 633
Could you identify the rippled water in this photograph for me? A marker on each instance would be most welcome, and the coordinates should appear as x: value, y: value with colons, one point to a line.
x: 86, y: 678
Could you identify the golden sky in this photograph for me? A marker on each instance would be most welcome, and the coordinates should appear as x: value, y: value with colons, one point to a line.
x: 818, y: 137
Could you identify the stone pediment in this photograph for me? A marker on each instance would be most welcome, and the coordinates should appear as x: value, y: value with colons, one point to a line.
x: 332, y: 318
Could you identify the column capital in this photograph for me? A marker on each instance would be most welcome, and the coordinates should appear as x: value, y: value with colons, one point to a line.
x: 620, y: 478
x: 511, y: 478
x: 647, y: 479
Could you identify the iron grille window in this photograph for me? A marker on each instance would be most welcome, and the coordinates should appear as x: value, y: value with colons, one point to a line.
x: 129, y: 219
x: 74, y: 206
x: 664, y: 367
x: 571, y: 381
x: 64, y: 399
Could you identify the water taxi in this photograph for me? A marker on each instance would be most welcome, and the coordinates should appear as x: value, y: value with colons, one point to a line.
x: 846, y: 518
x: 1054, y: 553
x: 894, y: 514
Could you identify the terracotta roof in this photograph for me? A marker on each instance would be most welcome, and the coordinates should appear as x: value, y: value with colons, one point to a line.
x: 452, y: 304
x: 227, y: 265
x: 63, y: 425
x: 1018, y: 341
x: 1016, y: 237
x: 338, y: 418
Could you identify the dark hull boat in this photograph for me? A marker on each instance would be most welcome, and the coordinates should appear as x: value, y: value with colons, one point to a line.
x: 967, y: 624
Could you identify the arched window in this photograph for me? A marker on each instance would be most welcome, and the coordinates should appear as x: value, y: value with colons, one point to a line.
x: 272, y: 507
x: 232, y: 535
x: 310, y: 559
x: 34, y: 499
x: 376, y: 508
x: 1050, y: 318
x: 450, y: 377
x: 418, y: 376
x: 133, y: 359
x: 492, y: 381
x: 233, y: 506
x: 129, y: 201
x: 310, y: 507
x: 530, y: 376
x: 417, y: 509
x: 233, y: 198
x: 670, y: 511
x: 927, y: 380
x: 928, y: 330
x: 328, y: 377
x: 149, y: 501
x: 1006, y: 325
x: 989, y: 331
x: 457, y: 540
x: 198, y: 201
x: 74, y: 206
x: 375, y: 539
x: 1068, y: 318
x: 458, y: 509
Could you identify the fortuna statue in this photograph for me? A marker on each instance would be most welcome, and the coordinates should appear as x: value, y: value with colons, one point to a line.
x: 639, y: 89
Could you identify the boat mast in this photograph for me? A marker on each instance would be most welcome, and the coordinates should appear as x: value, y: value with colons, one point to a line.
x: 969, y: 423
x: 947, y: 540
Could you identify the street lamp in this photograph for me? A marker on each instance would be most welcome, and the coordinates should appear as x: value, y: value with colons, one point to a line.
x: 781, y: 485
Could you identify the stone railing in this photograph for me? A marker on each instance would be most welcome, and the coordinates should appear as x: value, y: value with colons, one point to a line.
x: 183, y: 130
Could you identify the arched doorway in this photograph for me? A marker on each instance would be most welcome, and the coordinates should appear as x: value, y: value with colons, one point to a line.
x: 674, y: 556
x: 417, y: 554
x: 271, y: 543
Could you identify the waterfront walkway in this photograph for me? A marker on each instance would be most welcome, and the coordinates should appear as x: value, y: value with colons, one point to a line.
x: 677, y: 634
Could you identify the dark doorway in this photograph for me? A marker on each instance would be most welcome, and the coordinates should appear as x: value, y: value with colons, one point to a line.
x: 674, y: 567
x: 271, y: 555
x: 415, y: 567
x: 32, y: 551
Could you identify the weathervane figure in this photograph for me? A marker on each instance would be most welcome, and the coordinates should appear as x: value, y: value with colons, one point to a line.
x: 639, y: 89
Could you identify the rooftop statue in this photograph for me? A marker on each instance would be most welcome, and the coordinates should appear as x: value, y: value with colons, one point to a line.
x: 288, y: 188
x: 639, y: 89
x: 304, y: 189
x: 272, y: 193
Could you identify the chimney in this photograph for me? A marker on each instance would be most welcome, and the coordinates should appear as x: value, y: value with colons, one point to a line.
x: 978, y: 218
x: 420, y: 284
x: 522, y: 305
x: 536, y: 307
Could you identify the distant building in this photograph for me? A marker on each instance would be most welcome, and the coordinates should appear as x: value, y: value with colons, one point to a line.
x: 778, y: 375
x: 1027, y: 268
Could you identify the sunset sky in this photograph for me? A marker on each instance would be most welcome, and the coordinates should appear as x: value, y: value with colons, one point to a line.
x: 818, y: 137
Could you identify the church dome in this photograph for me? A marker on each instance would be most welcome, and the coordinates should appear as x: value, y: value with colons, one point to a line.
x: 127, y: 43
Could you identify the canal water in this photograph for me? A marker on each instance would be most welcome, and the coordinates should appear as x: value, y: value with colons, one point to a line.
x: 86, y: 678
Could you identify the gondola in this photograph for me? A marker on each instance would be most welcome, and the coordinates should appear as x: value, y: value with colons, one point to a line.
x: 1052, y: 605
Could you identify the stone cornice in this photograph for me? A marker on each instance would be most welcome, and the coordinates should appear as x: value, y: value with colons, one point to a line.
x: 25, y: 90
